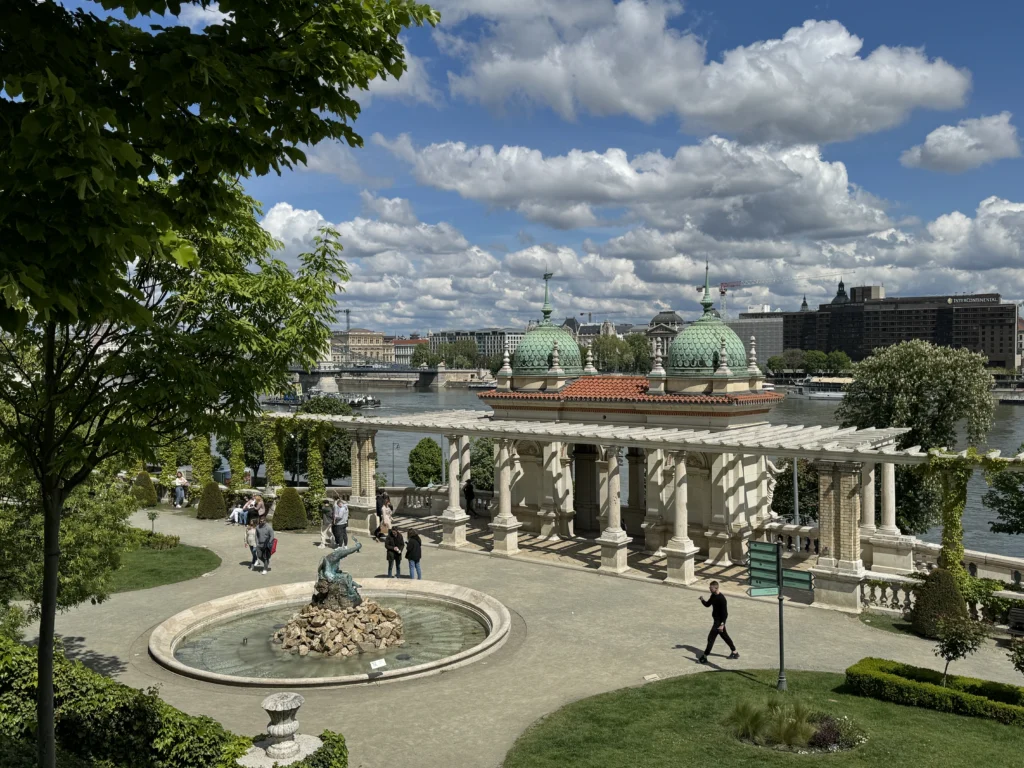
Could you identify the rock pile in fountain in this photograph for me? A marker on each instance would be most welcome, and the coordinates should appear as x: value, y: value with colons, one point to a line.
x: 365, y: 628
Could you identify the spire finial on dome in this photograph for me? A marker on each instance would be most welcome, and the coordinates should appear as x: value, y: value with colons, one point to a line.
x: 556, y: 368
x: 658, y: 369
x: 506, y: 366
x: 706, y: 300
x: 723, y: 360
x: 590, y: 369
x: 752, y: 357
x: 546, y: 309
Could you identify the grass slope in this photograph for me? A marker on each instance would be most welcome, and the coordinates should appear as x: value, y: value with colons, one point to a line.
x: 678, y: 722
x: 144, y: 568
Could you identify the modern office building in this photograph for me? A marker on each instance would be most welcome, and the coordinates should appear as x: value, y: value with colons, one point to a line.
x: 766, y: 328
x: 489, y: 341
x: 866, y: 319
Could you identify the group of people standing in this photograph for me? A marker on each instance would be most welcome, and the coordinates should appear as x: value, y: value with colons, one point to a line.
x: 394, y: 542
x: 259, y: 537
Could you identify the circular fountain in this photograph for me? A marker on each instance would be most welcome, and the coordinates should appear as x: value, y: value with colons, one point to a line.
x: 237, y: 639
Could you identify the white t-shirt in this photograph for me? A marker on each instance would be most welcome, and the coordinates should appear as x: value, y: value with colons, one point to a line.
x: 341, y: 513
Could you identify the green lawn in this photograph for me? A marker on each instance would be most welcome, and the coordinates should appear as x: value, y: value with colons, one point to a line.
x: 144, y: 568
x: 678, y: 722
x: 887, y: 622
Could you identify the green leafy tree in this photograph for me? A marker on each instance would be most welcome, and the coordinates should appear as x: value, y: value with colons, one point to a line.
x: 236, y: 459
x: 793, y: 359
x: 807, y: 483
x: 640, y: 353
x: 336, y: 448
x: 1016, y: 655
x: 425, y: 463
x: 202, y: 461
x: 422, y: 355
x: 776, y: 363
x: 481, y: 463
x: 958, y: 638
x: 252, y: 446
x: 492, y: 363
x: 837, y: 362
x: 815, y: 362
x: 380, y: 479
x: 289, y: 514
x: 94, y: 535
x: 1005, y: 497
x: 930, y: 390
x: 144, y: 491
x: 611, y: 354
x: 119, y: 181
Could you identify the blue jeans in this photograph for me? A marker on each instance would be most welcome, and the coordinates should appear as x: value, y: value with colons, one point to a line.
x: 179, y: 494
x: 398, y: 568
x: 414, y: 565
x: 255, y: 556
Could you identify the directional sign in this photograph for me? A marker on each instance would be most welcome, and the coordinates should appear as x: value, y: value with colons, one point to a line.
x: 797, y: 579
x: 763, y: 591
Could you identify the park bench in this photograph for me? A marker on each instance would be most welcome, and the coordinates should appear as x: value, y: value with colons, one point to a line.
x: 1016, y: 621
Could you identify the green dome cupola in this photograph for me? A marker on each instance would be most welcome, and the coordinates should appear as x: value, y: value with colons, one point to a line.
x: 696, y: 351
x: 533, y: 356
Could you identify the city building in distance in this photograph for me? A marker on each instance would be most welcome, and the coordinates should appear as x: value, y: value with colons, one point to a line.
x: 866, y: 319
x: 361, y: 345
x: 489, y: 341
x: 404, y: 348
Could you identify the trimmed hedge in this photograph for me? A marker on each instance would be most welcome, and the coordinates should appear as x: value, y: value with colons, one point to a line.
x: 918, y: 687
x: 212, y: 505
x: 103, y: 722
x: 141, y: 539
x: 939, y: 597
x: 144, y: 490
x: 289, y: 514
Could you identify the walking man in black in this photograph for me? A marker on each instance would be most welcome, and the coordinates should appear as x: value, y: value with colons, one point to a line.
x: 719, y: 613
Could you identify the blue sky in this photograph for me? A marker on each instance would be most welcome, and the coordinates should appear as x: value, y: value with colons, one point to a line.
x: 791, y: 133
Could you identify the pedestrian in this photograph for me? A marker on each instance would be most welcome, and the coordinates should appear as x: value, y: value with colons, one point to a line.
x: 467, y: 489
x: 326, y: 521
x: 265, y: 542
x: 250, y: 541
x: 180, y: 485
x: 413, y: 551
x: 339, y: 526
x: 394, y: 543
x: 387, y: 520
x: 377, y: 535
x: 719, y: 613
x: 259, y: 507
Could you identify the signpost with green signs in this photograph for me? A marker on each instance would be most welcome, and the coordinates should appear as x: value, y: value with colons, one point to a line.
x: 768, y: 577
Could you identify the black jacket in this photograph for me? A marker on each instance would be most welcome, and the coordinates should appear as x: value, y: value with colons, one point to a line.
x: 413, y: 549
x: 719, y: 611
x: 394, y: 541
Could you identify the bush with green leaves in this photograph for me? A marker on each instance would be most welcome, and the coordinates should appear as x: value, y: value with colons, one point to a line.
x: 1016, y: 655
x: 937, y: 598
x: 958, y: 639
x: 919, y: 687
x: 144, y: 491
x: 289, y: 513
x: 782, y: 721
x: 212, y: 505
x: 101, y: 722
x: 835, y: 733
x: 425, y: 463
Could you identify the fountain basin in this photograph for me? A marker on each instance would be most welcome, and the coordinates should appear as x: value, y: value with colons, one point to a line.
x: 479, y: 620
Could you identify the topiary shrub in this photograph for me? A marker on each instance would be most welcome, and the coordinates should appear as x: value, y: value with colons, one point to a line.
x: 425, y: 463
x: 144, y: 490
x: 939, y: 597
x: 211, y: 504
x: 289, y: 514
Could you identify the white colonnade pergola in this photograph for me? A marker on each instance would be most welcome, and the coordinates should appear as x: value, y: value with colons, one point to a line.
x: 846, y: 459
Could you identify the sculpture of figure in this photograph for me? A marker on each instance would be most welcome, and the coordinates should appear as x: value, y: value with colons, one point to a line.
x: 333, y: 585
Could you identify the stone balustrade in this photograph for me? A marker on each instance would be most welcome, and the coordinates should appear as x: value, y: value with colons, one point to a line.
x: 981, y: 564
x: 417, y: 502
x: 888, y: 592
x: 802, y: 539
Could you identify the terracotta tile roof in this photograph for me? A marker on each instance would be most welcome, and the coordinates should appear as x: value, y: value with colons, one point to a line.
x: 627, y: 389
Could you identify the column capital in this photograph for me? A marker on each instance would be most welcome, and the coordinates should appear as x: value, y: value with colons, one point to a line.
x: 829, y: 465
x: 608, y: 451
x: 677, y: 455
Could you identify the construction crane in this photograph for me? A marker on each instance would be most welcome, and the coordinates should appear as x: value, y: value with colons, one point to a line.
x: 724, y: 288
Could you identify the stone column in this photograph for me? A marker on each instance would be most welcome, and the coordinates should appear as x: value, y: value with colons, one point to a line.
x: 453, y: 519
x: 654, y: 519
x: 370, y: 468
x: 613, y: 539
x: 550, y: 478
x: 680, y: 552
x: 891, y: 552
x: 566, y: 502
x: 362, y: 508
x: 464, y: 465
x: 635, y: 510
x: 867, y: 498
x: 889, y: 500
x: 505, y: 525
x: 839, y: 568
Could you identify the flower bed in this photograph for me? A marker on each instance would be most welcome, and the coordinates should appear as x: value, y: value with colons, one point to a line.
x: 786, y: 724
x: 918, y: 687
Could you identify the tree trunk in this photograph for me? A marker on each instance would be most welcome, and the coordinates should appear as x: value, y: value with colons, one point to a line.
x: 944, y: 672
x: 52, y: 504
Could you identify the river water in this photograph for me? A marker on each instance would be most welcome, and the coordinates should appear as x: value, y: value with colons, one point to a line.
x: 1007, y: 435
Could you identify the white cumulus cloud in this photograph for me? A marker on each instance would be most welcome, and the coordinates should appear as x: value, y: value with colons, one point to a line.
x: 815, y: 84
x: 968, y: 144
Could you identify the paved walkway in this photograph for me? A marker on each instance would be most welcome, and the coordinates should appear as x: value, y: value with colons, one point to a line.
x: 575, y: 633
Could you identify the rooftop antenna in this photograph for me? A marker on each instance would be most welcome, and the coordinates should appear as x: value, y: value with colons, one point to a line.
x: 348, y: 320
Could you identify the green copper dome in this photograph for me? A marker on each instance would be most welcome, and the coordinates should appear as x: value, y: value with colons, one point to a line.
x: 533, y: 356
x: 696, y: 351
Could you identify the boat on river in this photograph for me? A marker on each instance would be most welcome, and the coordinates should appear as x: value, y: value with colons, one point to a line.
x: 821, y: 387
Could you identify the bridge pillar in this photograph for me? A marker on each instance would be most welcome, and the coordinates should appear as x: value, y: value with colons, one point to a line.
x: 328, y: 384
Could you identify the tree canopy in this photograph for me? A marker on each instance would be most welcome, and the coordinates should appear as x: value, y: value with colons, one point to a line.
x: 425, y: 463
x: 458, y: 354
x: 1005, y: 497
x: 336, y: 451
x: 928, y: 389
